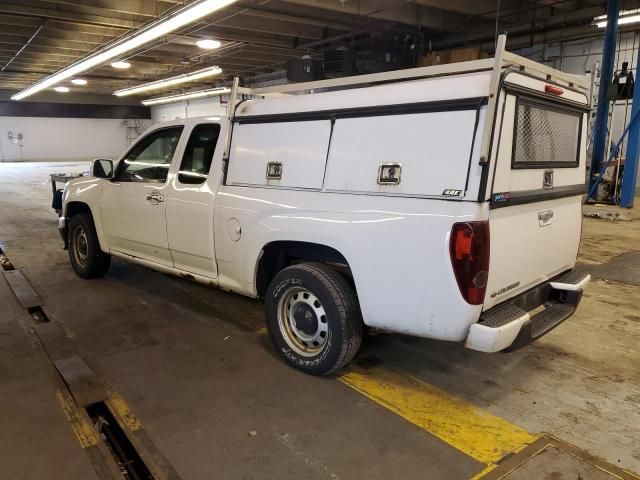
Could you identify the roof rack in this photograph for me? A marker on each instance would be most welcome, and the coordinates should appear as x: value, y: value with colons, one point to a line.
x: 501, y: 60
x: 382, y: 77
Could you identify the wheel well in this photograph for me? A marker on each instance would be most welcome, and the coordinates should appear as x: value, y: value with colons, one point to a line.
x: 74, y: 208
x: 278, y: 255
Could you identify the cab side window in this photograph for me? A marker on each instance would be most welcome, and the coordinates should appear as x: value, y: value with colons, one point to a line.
x: 149, y: 160
x: 198, y: 154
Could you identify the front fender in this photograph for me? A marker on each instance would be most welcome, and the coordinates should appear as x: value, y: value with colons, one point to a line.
x: 86, y: 191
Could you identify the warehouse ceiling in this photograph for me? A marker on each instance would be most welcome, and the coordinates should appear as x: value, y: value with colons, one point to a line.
x: 39, y: 37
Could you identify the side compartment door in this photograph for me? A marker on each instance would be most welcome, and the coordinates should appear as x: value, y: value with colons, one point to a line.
x: 279, y: 154
x: 133, y: 204
x: 190, y: 204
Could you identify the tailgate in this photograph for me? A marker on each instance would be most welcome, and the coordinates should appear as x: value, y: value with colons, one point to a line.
x: 539, y: 178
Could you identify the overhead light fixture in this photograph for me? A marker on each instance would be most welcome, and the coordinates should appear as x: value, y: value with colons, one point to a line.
x: 78, y: 81
x: 61, y: 89
x: 167, y: 82
x: 120, y: 65
x: 211, y: 92
x: 153, y: 31
x: 625, y: 18
x: 208, y: 44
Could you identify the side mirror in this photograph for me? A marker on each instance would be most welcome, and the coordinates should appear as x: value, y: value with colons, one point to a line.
x: 102, y: 168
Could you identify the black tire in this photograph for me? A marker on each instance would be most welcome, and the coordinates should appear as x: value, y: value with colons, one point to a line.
x: 329, y: 293
x: 85, y: 255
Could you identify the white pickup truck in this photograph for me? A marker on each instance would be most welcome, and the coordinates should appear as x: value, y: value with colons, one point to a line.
x: 442, y: 202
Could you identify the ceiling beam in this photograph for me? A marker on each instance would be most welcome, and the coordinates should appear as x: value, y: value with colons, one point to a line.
x: 144, y: 8
x: 268, y: 14
x: 46, y: 34
x: 56, y: 14
x: 554, y: 22
x: 277, y: 27
x: 466, y: 7
x: 410, y: 13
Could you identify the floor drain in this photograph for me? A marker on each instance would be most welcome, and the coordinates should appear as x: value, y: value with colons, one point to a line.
x: 5, y: 263
x: 38, y: 315
x: 124, y: 453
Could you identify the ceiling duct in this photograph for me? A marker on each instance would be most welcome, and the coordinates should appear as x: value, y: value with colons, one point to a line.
x: 304, y: 69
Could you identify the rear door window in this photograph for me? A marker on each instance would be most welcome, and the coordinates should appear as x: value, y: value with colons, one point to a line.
x: 545, y: 135
x: 196, y: 161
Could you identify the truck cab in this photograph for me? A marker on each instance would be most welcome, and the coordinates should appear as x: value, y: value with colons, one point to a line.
x: 154, y: 204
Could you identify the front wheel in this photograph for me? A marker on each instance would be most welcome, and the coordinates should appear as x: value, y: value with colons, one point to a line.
x: 85, y: 255
x: 313, y: 318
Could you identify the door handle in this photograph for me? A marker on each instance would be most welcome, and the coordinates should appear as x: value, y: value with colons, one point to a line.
x: 155, y: 198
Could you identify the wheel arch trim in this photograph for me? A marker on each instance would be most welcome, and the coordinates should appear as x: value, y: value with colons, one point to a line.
x: 313, y: 252
x: 85, y: 207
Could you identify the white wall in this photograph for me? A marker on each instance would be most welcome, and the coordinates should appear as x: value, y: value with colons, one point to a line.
x: 61, y: 138
x: 191, y: 108
x: 581, y: 56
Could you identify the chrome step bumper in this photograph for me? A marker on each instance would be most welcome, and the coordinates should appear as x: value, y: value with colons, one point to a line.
x: 510, y: 325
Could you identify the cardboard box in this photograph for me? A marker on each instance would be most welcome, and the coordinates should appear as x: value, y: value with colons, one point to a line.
x: 450, y: 56
x: 464, y: 54
x: 433, y: 58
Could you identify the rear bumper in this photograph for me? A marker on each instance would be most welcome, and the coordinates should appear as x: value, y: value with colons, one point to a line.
x: 510, y: 325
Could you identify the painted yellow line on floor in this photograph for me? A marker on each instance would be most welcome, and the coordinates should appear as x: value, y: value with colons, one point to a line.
x: 119, y: 406
x: 85, y: 433
x: 492, y: 466
x: 485, y: 472
x: 475, y: 432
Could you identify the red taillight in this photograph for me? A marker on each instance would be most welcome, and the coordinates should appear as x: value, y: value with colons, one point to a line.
x: 553, y: 89
x: 469, y: 250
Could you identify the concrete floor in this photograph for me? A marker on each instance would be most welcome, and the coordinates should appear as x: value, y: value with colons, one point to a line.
x: 190, y: 365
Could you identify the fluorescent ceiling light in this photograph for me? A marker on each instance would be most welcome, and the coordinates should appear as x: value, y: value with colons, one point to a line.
x: 208, y: 44
x: 120, y: 65
x: 185, y: 16
x: 62, y: 89
x: 167, y: 82
x: 79, y: 81
x: 211, y: 92
x: 625, y: 18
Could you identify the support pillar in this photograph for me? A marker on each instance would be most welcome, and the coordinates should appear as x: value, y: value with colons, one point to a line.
x: 606, y: 75
x: 630, y: 174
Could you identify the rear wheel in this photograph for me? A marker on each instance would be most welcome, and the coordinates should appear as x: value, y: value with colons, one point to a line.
x: 313, y: 318
x: 85, y: 255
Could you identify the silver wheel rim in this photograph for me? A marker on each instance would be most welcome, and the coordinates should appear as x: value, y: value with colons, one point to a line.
x: 303, y: 321
x: 80, y: 246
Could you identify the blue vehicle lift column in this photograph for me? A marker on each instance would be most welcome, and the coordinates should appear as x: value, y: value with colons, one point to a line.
x: 606, y: 74
x: 630, y: 174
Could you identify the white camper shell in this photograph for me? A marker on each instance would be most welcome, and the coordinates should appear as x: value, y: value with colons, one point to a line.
x: 442, y: 202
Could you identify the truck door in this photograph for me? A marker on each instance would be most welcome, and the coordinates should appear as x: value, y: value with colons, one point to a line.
x: 190, y: 203
x: 133, y: 205
x: 536, y: 192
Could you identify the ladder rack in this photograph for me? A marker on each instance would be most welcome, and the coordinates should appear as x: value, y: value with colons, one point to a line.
x: 502, y: 59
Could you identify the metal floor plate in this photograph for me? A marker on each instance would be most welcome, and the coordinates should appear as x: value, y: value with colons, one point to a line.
x: 85, y: 387
x: 553, y: 459
x: 23, y: 290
